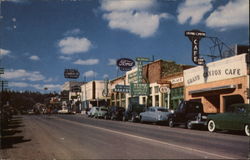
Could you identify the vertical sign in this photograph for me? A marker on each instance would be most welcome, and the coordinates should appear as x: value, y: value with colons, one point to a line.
x: 139, y: 72
x: 195, y: 37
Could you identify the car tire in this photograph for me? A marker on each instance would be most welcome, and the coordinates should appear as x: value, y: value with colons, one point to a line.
x: 141, y: 120
x: 211, y: 126
x: 133, y: 118
x: 247, y: 130
x: 189, y: 125
x: 124, y: 118
x: 171, y: 123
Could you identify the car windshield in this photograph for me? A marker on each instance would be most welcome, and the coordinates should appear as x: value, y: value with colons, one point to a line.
x: 162, y: 109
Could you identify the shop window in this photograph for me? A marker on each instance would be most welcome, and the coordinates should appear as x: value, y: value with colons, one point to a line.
x: 117, y: 95
x: 122, y: 95
x: 156, y: 89
x: 150, y: 101
x: 144, y: 100
x: 112, y: 96
x: 150, y: 90
x: 157, y: 100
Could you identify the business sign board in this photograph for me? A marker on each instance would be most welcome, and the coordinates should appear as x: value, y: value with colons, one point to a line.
x: 71, y: 73
x: 122, y: 88
x: 125, y: 64
x: 142, y: 59
x: 164, y: 89
x: 195, y: 37
x: 139, y: 89
x: 76, y: 89
x: 227, y: 68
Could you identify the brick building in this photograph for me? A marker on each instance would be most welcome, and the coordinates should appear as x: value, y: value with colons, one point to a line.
x: 219, y: 84
x: 153, y: 73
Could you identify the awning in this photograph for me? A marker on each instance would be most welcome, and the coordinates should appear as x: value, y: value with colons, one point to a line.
x: 212, y: 89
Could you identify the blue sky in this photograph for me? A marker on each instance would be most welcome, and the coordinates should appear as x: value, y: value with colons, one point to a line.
x: 41, y: 38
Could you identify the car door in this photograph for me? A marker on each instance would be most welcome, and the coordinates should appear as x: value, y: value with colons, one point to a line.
x: 238, y: 118
x: 152, y: 115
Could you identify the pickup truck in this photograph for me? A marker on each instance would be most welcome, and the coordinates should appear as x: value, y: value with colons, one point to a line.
x: 189, y: 113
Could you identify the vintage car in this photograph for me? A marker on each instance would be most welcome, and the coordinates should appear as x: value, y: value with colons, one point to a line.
x: 155, y: 114
x: 93, y: 111
x: 236, y: 117
x: 115, y: 113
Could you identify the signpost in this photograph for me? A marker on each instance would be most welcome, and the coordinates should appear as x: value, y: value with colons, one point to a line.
x: 195, y: 37
x: 122, y: 88
x: 71, y: 73
x: 139, y: 89
x: 125, y: 64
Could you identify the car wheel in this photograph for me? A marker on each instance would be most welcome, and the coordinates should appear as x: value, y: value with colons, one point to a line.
x: 133, y: 118
x: 247, y: 130
x: 124, y: 118
x: 141, y: 119
x: 211, y: 126
x: 189, y: 125
x: 171, y: 123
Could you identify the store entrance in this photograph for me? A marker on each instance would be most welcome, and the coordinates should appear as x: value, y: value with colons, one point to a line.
x: 229, y: 100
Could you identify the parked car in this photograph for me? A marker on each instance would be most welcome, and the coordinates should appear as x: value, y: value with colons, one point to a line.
x: 133, y: 112
x: 102, y: 112
x: 63, y: 111
x: 237, y: 117
x: 114, y: 113
x: 93, y: 111
x: 189, y: 113
x: 155, y: 114
x: 97, y: 112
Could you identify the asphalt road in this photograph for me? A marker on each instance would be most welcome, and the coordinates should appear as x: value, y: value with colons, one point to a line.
x: 80, y: 137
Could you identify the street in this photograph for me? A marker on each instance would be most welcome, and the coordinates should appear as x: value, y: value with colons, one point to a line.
x: 80, y: 137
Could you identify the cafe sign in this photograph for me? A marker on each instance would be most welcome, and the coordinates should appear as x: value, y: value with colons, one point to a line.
x: 228, y: 68
x: 195, y: 37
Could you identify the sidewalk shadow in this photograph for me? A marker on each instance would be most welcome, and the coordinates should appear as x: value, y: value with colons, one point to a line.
x: 9, y: 137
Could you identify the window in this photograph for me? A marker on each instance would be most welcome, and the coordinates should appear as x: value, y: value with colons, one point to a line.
x: 157, y: 100
x: 156, y: 89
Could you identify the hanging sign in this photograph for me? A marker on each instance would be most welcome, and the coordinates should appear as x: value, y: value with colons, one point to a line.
x: 125, y: 64
x: 71, y: 73
x: 195, y: 37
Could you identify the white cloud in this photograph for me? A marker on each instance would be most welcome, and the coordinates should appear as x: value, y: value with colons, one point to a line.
x: 87, y: 62
x: 132, y: 16
x: 233, y: 14
x: 18, y: 84
x: 143, y: 24
x: 193, y: 10
x: 4, y: 52
x: 23, y: 75
x: 105, y: 76
x: 65, y: 58
x: 34, y: 58
x: 111, y: 62
x: 124, y: 5
x: 90, y: 74
x: 72, y: 45
x: 75, y: 31
x: 48, y: 86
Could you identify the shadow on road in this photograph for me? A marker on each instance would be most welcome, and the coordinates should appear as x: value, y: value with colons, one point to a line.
x: 9, y: 131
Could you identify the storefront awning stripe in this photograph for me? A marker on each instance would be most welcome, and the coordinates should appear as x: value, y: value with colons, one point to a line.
x: 212, y: 89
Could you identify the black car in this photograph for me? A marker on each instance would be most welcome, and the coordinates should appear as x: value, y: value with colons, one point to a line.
x: 189, y: 113
x: 115, y: 113
x: 133, y: 112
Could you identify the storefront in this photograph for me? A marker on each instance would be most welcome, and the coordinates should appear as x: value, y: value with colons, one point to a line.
x: 219, y: 84
x: 174, y: 90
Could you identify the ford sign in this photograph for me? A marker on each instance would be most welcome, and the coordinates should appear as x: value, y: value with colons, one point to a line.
x: 125, y: 64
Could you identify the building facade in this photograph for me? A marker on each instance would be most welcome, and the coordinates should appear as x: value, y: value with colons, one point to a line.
x: 118, y: 97
x: 92, y: 94
x: 219, y: 84
x: 157, y: 74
